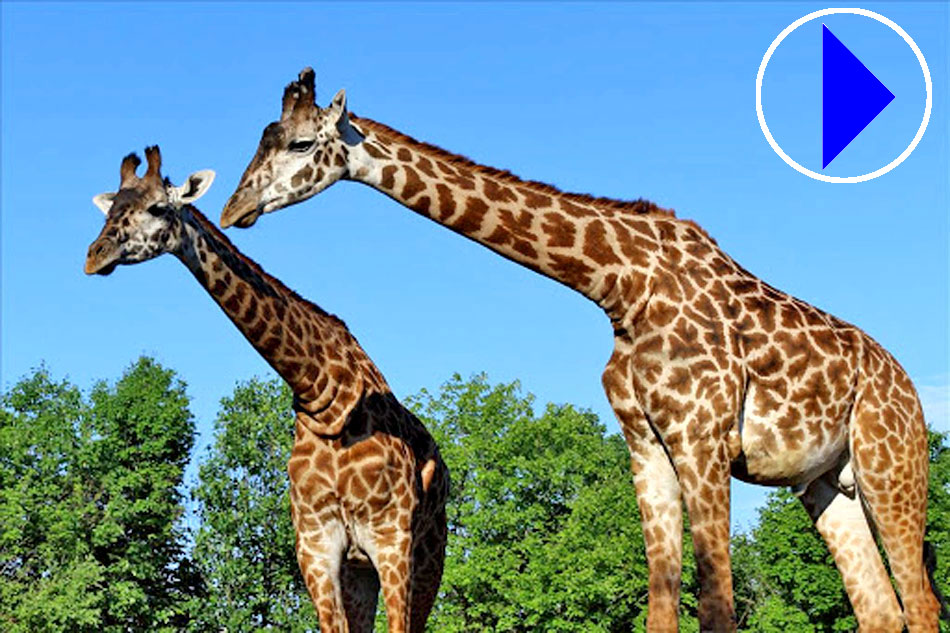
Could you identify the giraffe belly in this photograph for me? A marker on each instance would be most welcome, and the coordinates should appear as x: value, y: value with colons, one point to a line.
x: 788, y: 444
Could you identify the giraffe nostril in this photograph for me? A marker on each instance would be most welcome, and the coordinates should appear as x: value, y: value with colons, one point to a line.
x: 100, y: 248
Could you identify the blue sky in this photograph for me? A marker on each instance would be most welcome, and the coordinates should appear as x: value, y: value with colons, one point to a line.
x: 623, y: 100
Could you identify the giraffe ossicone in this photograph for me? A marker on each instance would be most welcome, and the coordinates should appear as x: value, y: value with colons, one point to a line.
x: 367, y: 483
x: 713, y: 370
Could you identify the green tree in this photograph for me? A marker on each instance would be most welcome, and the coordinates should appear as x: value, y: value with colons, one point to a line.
x: 244, y: 547
x: 89, y: 503
x: 141, y: 433
x: 544, y: 532
x: 938, y: 516
x: 49, y: 580
x: 785, y: 577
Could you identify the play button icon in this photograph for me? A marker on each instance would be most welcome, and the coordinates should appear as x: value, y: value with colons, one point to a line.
x: 847, y: 99
x: 851, y: 97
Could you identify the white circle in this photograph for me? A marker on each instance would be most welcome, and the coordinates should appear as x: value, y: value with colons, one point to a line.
x: 824, y: 177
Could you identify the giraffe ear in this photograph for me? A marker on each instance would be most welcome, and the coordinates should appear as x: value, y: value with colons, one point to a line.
x: 349, y: 131
x: 104, y: 201
x: 196, y: 186
x: 338, y: 105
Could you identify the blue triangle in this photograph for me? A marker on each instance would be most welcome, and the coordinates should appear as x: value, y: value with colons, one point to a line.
x: 851, y: 96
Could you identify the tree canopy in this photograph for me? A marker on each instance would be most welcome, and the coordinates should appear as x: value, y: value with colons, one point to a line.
x: 89, y: 503
x: 244, y: 544
x: 544, y: 531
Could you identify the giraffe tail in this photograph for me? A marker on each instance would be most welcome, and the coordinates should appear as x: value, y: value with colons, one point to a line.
x: 930, y: 564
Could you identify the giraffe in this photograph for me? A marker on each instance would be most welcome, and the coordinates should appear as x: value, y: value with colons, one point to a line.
x: 713, y: 373
x: 368, y: 485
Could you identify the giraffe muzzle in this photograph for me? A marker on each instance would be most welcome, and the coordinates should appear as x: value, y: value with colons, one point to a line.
x: 242, y: 210
x: 103, y: 257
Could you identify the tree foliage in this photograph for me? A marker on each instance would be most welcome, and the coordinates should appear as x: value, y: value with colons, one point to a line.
x: 543, y: 523
x: 90, y: 502
x: 244, y: 547
x: 544, y: 527
x: 938, y: 518
x: 785, y: 578
x: 49, y: 578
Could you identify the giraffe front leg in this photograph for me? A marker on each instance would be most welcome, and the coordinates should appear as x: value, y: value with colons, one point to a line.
x: 704, y: 475
x: 661, y: 515
x: 658, y: 498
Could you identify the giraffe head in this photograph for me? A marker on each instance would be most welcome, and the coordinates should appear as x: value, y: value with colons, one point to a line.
x: 298, y: 157
x: 143, y: 218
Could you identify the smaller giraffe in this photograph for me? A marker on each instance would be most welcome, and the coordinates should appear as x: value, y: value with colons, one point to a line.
x: 368, y: 486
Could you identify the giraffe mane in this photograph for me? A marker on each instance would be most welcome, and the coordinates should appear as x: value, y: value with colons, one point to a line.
x: 639, y: 206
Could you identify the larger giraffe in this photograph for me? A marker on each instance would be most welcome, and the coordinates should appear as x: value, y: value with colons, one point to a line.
x: 713, y: 370
x: 368, y: 487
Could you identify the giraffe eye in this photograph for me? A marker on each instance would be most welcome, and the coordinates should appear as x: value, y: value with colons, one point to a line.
x: 157, y: 210
x: 301, y: 145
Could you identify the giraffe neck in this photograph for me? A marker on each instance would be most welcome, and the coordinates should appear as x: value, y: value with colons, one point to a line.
x: 313, y: 351
x: 581, y: 241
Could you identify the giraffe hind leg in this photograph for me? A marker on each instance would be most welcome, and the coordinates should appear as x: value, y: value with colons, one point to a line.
x: 889, y: 454
x: 320, y: 554
x: 391, y: 556
x: 360, y: 587
x: 841, y: 521
x: 428, y: 559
